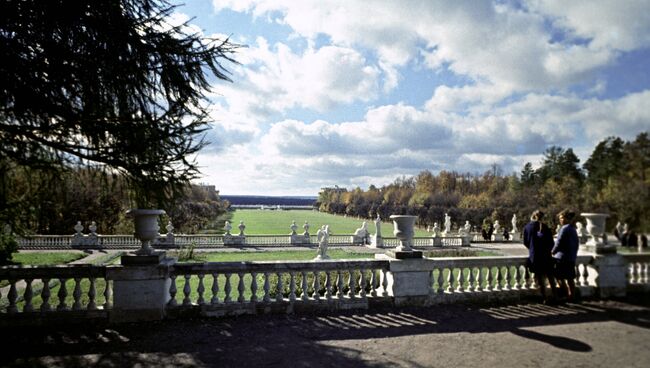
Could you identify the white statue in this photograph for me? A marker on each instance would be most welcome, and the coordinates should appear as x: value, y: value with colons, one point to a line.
x: 378, y: 226
x: 436, y: 229
x: 467, y: 227
x: 322, y: 235
x: 496, y: 227
x: 293, y: 227
x: 362, y: 231
x: 227, y: 227
x: 557, y: 229
x: 306, y: 228
x: 447, y: 224
x: 619, y: 229
x: 514, y: 223
x: 579, y: 229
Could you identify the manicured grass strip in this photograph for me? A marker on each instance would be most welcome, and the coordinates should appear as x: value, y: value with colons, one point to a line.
x: 288, y: 255
x: 46, y: 258
x: 279, y: 222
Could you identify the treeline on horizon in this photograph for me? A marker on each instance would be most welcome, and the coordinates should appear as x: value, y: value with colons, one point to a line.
x: 615, y: 179
x: 44, y: 201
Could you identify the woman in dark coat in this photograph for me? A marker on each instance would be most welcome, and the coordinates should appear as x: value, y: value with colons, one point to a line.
x: 538, y: 238
x: 565, y: 252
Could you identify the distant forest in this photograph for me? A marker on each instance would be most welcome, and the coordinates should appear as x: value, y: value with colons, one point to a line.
x: 270, y: 200
x: 615, y: 179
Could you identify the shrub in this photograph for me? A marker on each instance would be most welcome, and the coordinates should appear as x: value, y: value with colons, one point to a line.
x: 8, y: 246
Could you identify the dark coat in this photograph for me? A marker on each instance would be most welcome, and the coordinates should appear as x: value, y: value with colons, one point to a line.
x: 539, y: 242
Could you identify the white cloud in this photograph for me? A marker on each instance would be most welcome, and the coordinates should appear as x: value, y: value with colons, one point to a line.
x: 497, y: 43
x: 275, y: 79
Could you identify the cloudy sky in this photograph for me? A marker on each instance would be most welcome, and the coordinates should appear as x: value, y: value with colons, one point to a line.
x: 355, y: 93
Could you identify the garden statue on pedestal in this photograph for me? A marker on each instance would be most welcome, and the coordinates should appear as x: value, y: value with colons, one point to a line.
x: 496, y: 232
x: 447, y: 230
x: 322, y: 235
x: 377, y: 241
x: 361, y: 234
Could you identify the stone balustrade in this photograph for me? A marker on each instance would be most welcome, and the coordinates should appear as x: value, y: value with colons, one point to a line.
x: 251, y: 287
x: 31, y: 295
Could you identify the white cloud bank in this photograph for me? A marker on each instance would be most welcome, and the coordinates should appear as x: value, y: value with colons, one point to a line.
x: 523, y: 62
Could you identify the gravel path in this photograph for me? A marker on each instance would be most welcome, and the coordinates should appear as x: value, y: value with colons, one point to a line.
x: 591, y: 334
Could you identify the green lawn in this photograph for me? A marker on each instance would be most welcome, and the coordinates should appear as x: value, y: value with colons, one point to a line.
x: 281, y: 255
x: 46, y: 258
x: 279, y: 222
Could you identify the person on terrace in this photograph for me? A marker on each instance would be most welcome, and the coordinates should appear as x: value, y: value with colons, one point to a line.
x: 565, y: 252
x: 538, y: 238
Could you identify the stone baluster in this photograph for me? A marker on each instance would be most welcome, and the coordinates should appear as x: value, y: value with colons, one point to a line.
x: 480, y: 278
x: 45, y: 295
x: 62, y: 294
x: 490, y: 279
x: 92, y: 294
x: 352, y: 284
x: 316, y: 285
x: 267, y: 288
x: 499, y: 279
x: 450, y: 280
x: 28, y: 295
x: 292, y: 286
x: 527, y: 281
x: 328, y: 285
x: 441, y: 281
x: 187, y: 290
x: 517, y: 276
x: 645, y: 273
x: 362, y: 284
x: 108, y: 295
x: 172, y: 291
x: 240, y: 288
x: 585, y: 275
x: 76, y: 294
x: 304, y: 286
x: 226, y: 288
x: 507, y: 275
x: 339, y: 284
x: 215, y: 289
x: 460, y: 280
x: 533, y: 282
x: 373, y: 283
x: 253, y: 287
x: 384, y: 283
x: 471, y: 279
x: 279, y: 288
x: 200, y: 289
x: 13, y: 296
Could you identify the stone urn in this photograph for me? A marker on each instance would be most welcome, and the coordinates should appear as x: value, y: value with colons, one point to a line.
x: 596, y: 230
x: 403, y: 229
x: 146, y: 228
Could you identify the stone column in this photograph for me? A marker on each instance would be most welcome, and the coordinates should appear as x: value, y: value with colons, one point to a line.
x: 611, y: 280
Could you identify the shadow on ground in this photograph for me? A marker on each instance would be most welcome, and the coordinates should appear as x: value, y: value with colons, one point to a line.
x: 305, y: 340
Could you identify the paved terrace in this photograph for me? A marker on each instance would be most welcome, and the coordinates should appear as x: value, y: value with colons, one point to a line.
x: 590, y: 334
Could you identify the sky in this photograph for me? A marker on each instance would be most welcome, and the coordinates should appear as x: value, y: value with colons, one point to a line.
x: 354, y: 93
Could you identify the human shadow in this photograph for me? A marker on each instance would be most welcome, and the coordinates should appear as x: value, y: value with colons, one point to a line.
x: 559, y: 342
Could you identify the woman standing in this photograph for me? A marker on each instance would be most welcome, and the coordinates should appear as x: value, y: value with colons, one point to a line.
x: 565, y: 252
x: 539, y: 241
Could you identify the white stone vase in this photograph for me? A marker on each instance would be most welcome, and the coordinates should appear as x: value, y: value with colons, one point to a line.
x: 146, y: 227
x: 403, y: 229
x: 595, y: 228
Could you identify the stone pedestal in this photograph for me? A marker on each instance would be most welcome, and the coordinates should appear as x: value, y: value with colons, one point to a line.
x: 409, y: 281
x: 611, y: 279
x: 376, y: 242
x: 140, y: 288
x: 497, y: 237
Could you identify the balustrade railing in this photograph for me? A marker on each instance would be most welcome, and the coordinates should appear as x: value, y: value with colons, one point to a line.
x: 245, y: 286
x: 637, y: 267
x: 42, y: 290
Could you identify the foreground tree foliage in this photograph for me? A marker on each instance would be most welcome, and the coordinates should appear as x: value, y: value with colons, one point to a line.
x: 110, y: 84
x: 615, y: 179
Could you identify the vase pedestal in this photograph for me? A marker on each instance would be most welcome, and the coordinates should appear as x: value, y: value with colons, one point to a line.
x: 404, y: 254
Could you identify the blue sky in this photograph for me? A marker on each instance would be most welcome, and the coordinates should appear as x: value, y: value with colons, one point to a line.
x: 353, y: 93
